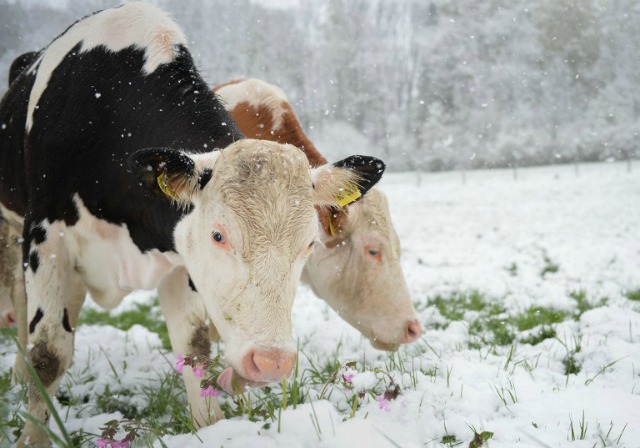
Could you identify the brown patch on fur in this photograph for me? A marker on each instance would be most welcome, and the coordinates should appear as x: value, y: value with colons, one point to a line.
x: 254, y: 122
x: 259, y: 123
x: 200, y: 342
x: 228, y: 83
x: 291, y: 132
x: 45, y: 363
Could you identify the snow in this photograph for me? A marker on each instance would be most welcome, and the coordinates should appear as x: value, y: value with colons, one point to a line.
x: 456, y: 237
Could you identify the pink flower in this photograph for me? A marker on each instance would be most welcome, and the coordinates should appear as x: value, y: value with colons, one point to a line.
x: 209, y: 392
x: 124, y: 443
x: 382, y: 403
x: 347, y: 377
x: 180, y: 363
x: 105, y: 443
x: 197, y: 371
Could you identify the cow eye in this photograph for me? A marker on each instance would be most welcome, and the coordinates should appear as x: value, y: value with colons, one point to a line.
x: 218, y: 237
x: 310, y: 247
x: 373, y: 251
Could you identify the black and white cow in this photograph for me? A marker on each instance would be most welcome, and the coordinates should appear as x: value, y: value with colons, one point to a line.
x: 108, y: 163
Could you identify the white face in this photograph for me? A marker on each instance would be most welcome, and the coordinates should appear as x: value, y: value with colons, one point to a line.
x: 248, y: 278
x: 358, y: 273
x: 246, y: 240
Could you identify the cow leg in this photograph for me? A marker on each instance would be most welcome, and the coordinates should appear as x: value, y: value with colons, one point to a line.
x: 6, y: 275
x: 12, y: 294
x: 19, y: 301
x: 184, y: 313
x: 52, y: 286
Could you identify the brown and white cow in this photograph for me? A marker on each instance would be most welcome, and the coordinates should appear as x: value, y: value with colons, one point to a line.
x: 357, y: 269
x: 108, y: 162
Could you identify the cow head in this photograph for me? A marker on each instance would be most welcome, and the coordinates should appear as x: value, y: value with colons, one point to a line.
x: 357, y: 271
x: 250, y: 226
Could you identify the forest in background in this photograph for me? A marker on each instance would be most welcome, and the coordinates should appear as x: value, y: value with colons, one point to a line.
x: 426, y: 84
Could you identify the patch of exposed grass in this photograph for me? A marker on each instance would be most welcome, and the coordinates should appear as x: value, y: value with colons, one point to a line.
x: 549, y: 267
x: 486, y: 317
x: 491, y: 330
x: 147, y: 315
x: 571, y: 365
x: 584, y: 304
x: 546, y: 332
x: 633, y: 295
x: 10, y: 423
x: 450, y: 440
x: 535, y: 316
x: 490, y: 323
x: 455, y: 306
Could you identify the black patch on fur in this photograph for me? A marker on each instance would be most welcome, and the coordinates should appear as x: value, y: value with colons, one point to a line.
x: 80, y: 142
x: 20, y: 63
x: 200, y: 343
x: 36, y: 319
x: 38, y: 234
x: 369, y: 168
x: 34, y: 261
x: 45, y: 363
x: 65, y: 321
x: 192, y: 285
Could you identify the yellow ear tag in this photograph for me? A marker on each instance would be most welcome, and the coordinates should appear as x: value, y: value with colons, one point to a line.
x: 349, y: 194
x: 332, y: 230
x: 163, y: 183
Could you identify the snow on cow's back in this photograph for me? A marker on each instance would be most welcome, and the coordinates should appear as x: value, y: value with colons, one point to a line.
x: 139, y: 25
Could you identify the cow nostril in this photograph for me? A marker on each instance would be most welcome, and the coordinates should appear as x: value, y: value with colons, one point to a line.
x: 249, y: 364
x: 413, y: 330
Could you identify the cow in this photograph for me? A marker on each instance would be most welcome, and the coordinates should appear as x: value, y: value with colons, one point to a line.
x: 357, y: 269
x: 125, y: 172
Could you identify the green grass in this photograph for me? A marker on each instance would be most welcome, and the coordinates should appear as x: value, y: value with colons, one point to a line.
x: 535, y: 316
x: 583, y: 303
x: 147, y: 315
x: 633, y: 295
x: 546, y: 332
x: 549, y: 267
x: 490, y: 324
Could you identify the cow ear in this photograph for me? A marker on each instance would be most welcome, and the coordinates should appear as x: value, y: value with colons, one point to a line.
x: 344, y: 182
x: 169, y: 173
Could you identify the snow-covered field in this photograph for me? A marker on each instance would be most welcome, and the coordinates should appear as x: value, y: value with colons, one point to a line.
x: 493, y: 235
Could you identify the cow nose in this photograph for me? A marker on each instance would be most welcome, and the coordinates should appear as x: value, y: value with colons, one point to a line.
x: 270, y: 365
x: 412, y: 331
